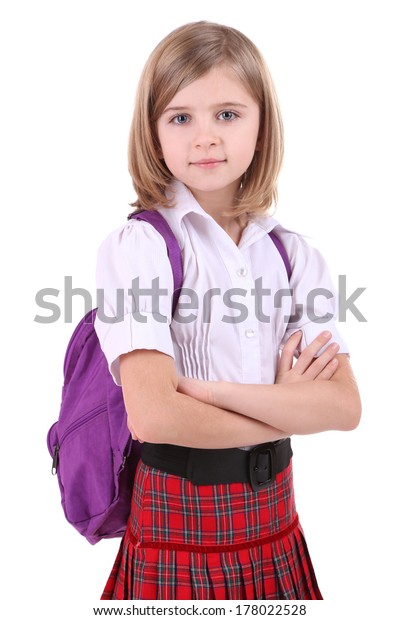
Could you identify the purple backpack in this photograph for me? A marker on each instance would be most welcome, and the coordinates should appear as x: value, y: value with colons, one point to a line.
x: 94, y: 455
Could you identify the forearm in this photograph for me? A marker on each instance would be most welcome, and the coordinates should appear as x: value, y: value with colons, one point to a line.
x: 316, y: 394
x: 185, y: 421
x: 158, y: 413
x: 295, y: 408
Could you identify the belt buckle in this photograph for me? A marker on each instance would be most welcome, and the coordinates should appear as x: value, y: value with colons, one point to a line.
x: 262, y: 466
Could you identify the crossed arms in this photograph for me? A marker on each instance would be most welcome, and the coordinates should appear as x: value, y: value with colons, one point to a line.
x: 315, y: 394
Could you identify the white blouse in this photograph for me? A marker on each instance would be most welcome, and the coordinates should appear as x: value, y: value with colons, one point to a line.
x: 236, y: 311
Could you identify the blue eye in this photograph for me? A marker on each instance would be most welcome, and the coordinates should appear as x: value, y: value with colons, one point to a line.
x: 227, y: 115
x: 180, y: 119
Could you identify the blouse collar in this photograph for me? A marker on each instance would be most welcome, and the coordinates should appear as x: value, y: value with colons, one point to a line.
x: 185, y: 203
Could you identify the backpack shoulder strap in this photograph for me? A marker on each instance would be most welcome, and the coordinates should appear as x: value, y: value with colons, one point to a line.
x: 282, y: 251
x: 174, y: 252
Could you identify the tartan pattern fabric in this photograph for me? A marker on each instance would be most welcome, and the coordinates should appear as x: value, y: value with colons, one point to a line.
x: 225, y: 541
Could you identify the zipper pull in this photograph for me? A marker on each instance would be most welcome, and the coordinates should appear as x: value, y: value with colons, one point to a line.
x: 55, y: 460
x: 122, y: 464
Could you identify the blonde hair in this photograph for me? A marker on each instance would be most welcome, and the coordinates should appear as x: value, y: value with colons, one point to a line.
x: 186, y: 54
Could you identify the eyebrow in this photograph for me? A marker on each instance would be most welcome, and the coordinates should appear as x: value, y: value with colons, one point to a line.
x: 224, y: 104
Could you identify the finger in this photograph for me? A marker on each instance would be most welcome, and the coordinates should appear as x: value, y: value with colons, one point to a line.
x: 310, y: 352
x: 329, y: 370
x: 319, y: 363
x: 288, y: 351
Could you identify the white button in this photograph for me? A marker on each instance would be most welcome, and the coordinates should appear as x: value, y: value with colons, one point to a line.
x: 249, y: 333
x: 242, y: 272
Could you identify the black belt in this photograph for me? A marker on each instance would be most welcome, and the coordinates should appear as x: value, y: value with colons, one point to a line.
x: 257, y: 466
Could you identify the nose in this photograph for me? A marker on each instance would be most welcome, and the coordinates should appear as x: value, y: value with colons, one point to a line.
x: 206, y: 135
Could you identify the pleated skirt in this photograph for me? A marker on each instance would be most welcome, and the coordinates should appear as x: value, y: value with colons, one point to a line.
x: 224, y: 541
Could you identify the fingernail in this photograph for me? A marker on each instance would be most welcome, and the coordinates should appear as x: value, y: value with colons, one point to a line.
x: 326, y: 334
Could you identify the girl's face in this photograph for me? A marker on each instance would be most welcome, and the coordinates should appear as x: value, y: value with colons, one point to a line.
x: 208, y: 134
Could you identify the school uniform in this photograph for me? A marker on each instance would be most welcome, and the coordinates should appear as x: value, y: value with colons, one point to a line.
x: 212, y: 541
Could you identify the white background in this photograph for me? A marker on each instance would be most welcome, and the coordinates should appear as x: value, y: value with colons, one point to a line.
x: 68, y: 77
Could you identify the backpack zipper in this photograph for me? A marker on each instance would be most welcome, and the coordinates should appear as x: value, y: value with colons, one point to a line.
x: 87, y: 418
x: 126, y: 453
x: 55, y: 459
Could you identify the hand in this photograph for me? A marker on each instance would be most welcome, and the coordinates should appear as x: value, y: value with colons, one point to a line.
x: 308, y: 367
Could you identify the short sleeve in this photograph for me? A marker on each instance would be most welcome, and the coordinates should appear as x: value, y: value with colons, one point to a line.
x: 134, y: 283
x: 314, y: 297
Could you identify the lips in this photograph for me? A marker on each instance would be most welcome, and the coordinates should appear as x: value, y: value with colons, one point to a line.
x: 208, y: 163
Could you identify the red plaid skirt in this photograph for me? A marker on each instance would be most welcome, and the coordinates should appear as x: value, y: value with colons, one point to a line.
x: 221, y: 541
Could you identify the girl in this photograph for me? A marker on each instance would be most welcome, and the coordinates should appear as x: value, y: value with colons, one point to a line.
x: 213, y: 511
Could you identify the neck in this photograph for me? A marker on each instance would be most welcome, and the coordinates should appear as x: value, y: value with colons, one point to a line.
x: 218, y: 204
